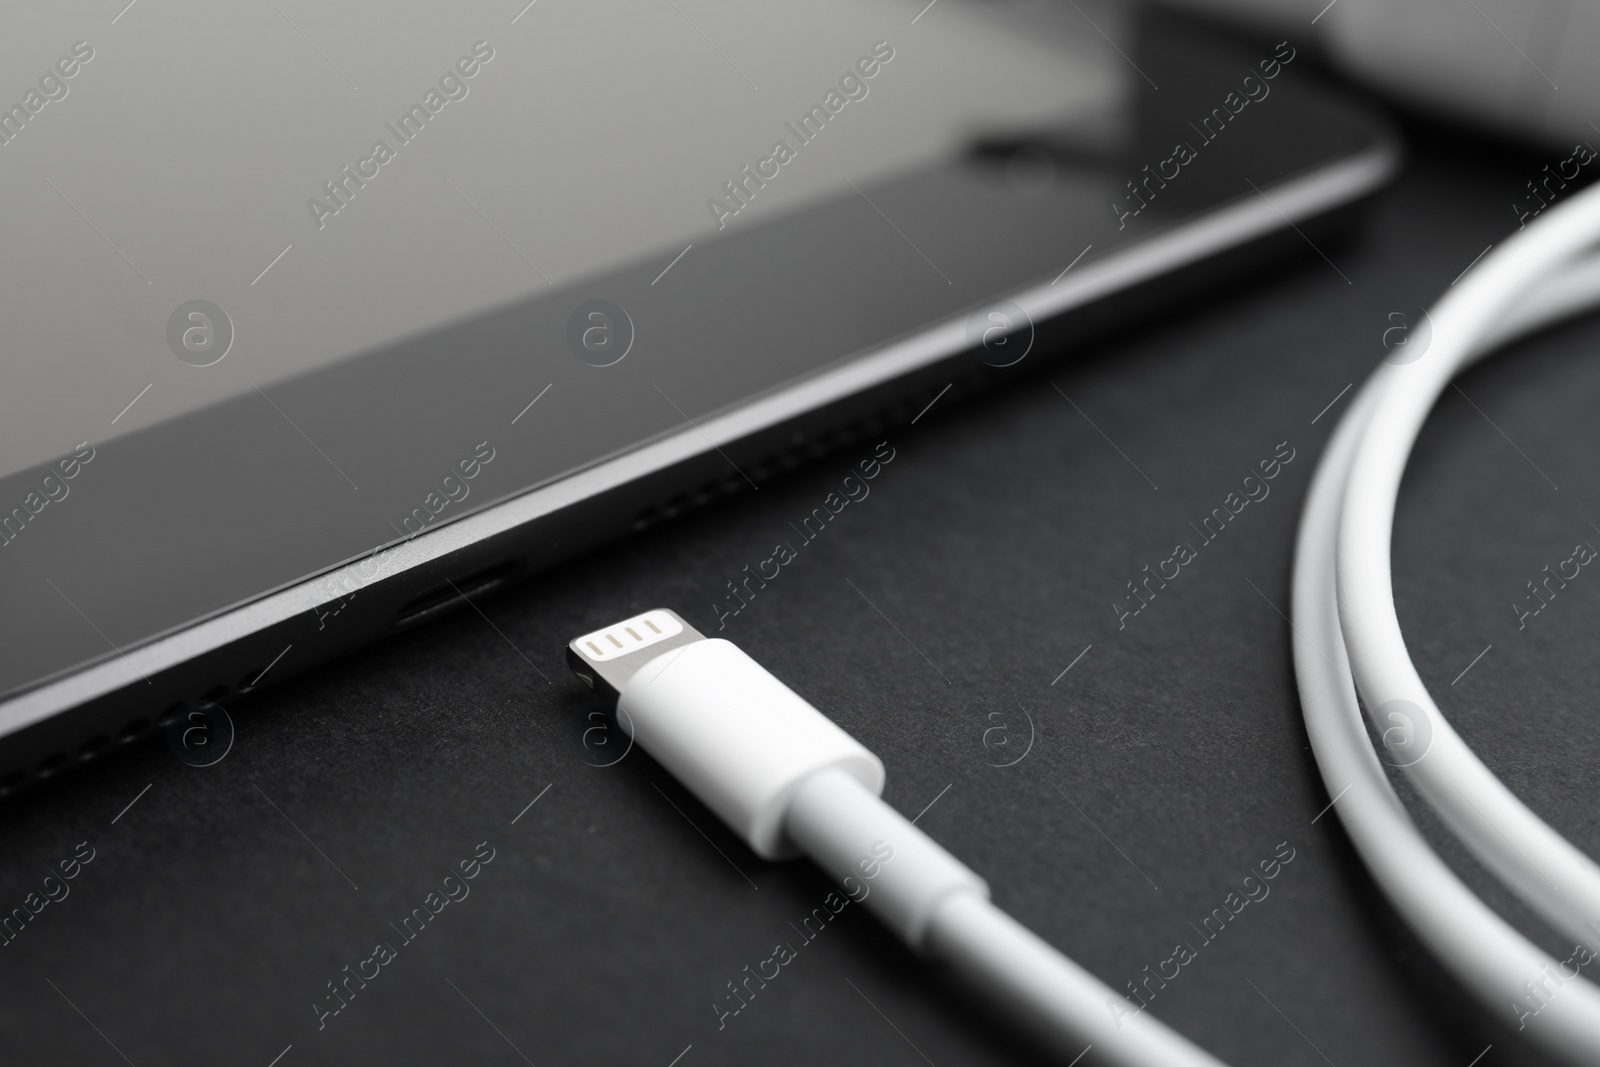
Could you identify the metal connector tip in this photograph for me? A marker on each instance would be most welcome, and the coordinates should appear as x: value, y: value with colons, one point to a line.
x: 606, y: 659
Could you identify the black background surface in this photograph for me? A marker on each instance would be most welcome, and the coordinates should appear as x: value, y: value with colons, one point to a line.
x: 1165, y: 764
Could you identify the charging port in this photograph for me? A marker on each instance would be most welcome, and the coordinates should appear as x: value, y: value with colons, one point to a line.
x: 453, y: 594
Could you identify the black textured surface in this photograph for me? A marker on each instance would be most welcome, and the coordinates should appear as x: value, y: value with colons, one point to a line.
x: 1164, y: 765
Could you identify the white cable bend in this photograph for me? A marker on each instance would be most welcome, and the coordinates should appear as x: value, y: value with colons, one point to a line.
x: 1536, y: 277
x: 1543, y: 867
x: 1484, y: 952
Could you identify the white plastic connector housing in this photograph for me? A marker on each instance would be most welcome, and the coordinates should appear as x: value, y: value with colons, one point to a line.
x: 786, y: 779
x: 738, y: 738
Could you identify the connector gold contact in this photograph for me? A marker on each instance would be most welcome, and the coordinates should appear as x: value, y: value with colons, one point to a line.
x: 608, y: 657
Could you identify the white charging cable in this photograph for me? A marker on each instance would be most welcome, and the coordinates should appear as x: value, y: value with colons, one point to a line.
x: 788, y: 780
x: 1347, y: 641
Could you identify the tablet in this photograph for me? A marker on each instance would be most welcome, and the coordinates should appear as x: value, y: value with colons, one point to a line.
x: 321, y: 322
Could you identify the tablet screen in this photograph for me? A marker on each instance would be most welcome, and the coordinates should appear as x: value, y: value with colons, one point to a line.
x: 201, y: 200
